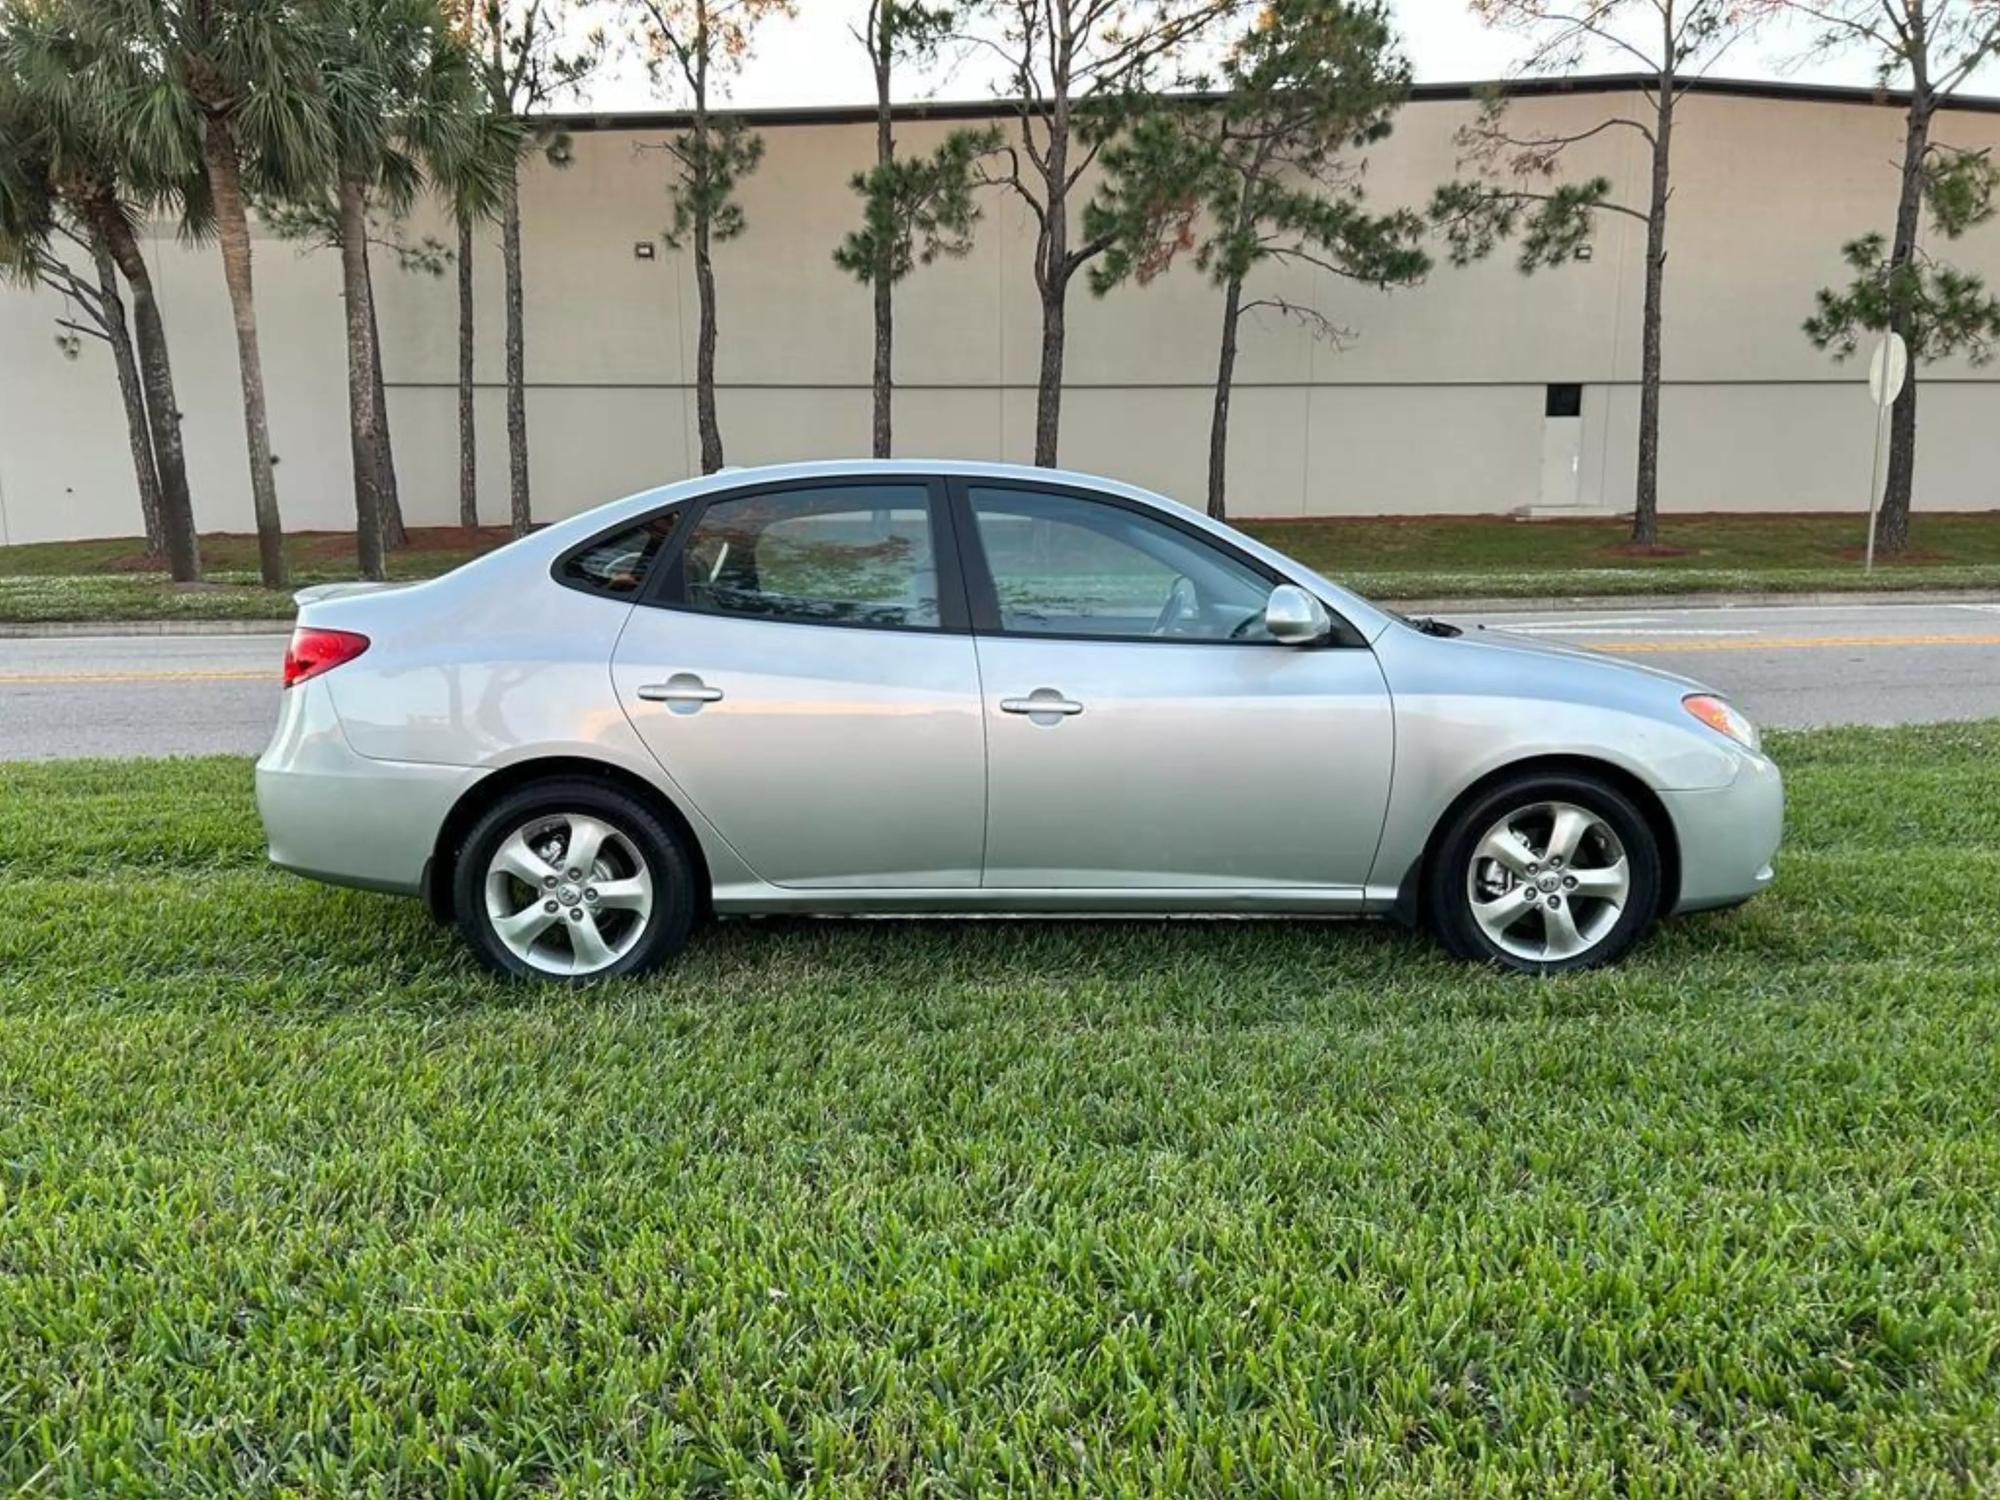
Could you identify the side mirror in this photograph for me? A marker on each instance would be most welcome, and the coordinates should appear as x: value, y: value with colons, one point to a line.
x: 1296, y: 618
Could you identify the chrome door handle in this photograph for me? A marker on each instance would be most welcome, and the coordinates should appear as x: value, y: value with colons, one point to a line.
x: 1041, y: 701
x: 682, y: 687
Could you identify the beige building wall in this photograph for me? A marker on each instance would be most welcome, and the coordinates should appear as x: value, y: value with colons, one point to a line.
x: 1432, y: 403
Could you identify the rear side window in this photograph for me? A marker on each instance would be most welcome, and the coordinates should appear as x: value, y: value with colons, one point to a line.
x: 616, y: 565
x: 829, y: 555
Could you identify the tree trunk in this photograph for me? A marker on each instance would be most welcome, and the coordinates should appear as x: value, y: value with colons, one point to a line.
x: 395, y: 535
x: 1225, y: 375
x: 885, y: 292
x: 704, y: 351
x: 232, y: 229
x: 364, y: 437
x: 1892, y: 522
x: 1052, y: 283
x: 704, y: 261
x: 1646, y: 495
x: 132, y: 396
x: 163, y: 413
x: 1048, y: 388
x: 885, y: 384
x: 519, y: 513
x: 468, y: 455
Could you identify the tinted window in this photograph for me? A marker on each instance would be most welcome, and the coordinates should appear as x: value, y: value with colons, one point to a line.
x: 1068, y: 566
x: 617, y: 564
x: 852, y: 555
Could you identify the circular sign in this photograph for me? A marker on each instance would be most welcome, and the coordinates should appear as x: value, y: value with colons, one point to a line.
x: 1887, y: 368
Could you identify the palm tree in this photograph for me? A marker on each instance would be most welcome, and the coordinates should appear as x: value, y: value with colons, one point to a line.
x: 468, y: 436
x: 94, y: 307
x: 233, y: 87
x: 400, y: 89
x: 395, y: 535
x: 107, y: 311
x: 69, y: 169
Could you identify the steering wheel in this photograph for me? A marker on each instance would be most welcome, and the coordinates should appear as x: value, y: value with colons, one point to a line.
x: 1248, y: 626
x: 1181, y: 599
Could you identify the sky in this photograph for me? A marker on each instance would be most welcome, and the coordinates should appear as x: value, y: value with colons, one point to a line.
x: 814, y: 59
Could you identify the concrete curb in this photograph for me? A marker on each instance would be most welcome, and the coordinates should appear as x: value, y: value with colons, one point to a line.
x: 57, y: 629
x: 1487, y: 605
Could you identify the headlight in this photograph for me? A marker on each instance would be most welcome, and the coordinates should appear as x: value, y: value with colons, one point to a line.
x: 1723, y: 719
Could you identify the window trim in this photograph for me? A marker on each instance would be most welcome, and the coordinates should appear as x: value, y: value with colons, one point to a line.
x: 983, y: 597
x: 668, y: 546
x: 665, y: 585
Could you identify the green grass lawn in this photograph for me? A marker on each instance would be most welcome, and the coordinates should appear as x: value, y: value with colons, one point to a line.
x: 293, y: 1201
x: 1441, y: 557
x: 1447, y: 556
x: 108, y: 578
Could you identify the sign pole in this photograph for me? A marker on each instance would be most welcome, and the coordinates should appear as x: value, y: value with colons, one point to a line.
x: 1875, y: 484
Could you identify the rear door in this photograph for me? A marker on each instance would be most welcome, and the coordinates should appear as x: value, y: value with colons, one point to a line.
x: 804, y: 674
x: 1143, y: 731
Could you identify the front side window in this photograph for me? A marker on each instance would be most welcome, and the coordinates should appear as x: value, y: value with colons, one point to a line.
x: 1064, y: 565
x: 846, y: 555
x: 617, y: 564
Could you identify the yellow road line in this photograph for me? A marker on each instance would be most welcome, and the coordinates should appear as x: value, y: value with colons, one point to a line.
x: 64, y: 679
x: 1801, y: 643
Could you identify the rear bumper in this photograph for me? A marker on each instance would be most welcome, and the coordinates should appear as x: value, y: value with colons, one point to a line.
x: 336, y: 816
x: 1728, y: 836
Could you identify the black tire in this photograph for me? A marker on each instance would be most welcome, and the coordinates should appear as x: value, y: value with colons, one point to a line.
x: 664, y: 930
x: 1448, y: 881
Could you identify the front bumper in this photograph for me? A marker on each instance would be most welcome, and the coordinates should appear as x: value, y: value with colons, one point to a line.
x: 1728, y: 836
x: 337, y: 816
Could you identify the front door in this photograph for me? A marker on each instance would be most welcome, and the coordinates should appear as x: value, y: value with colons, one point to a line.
x: 1142, y: 729
x: 807, y: 683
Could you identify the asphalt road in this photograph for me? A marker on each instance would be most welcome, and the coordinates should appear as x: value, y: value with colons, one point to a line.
x: 1799, y: 666
x: 1836, y: 664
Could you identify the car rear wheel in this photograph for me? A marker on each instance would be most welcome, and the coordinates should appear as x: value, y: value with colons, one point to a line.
x: 574, y: 881
x: 1544, y: 874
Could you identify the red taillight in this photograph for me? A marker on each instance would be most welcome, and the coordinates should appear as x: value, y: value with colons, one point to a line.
x: 314, y: 651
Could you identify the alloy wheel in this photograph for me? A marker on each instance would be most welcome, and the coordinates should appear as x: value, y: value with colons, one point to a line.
x: 568, y: 893
x: 1548, y: 882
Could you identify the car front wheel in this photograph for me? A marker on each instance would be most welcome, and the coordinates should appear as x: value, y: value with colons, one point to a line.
x: 575, y: 881
x: 1544, y: 874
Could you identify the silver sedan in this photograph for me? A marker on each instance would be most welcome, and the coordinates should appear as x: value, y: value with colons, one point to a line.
x: 873, y: 687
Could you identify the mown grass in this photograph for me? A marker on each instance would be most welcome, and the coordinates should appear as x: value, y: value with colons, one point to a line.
x: 109, y: 579
x: 1598, y: 583
x: 227, y: 554
x: 292, y: 1201
x: 1759, y: 544
x: 47, y: 599
x: 1393, y: 558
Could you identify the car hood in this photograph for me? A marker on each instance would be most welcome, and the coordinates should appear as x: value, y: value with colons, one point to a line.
x: 1524, y: 645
